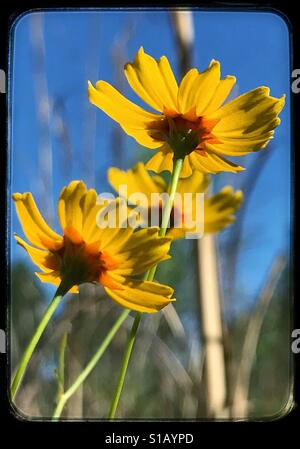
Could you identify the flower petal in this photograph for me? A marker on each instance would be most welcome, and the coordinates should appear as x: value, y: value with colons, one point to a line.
x: 45, y: 260
x: 161, y: 161
x: 113, y: 240
x: 196, y: 183
x: 131, y: 257
x: 145, y: 136
x: 169, y: 78
x: 212, y: 163
x: 135, y: 121
x: 185, y: 99
x: 219, y: 209
x: 69, y: 210
x: 142, y: 296
x: 119, y: 108
x: 35, y: 228
x: 136, y: 180
x: 221, y: 93
x: 113, y: 226
x: 160, y: 183
x: 176, y: 233
x: 246, y: 123
x: 186, y: 170
x: 197, y: 88
x: 88, y: 204
x: 55, y: 279
x: 239, y: 147
x: 152, y: 81
x: 218, y: 212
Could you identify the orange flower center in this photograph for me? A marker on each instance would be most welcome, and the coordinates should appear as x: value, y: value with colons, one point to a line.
x: 80, y: 261
x: 185, y: 132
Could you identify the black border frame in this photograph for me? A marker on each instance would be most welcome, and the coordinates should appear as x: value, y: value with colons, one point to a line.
x: 7, y: 18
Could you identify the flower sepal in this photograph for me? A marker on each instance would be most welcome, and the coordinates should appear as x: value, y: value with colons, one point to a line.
x: 181, y: 141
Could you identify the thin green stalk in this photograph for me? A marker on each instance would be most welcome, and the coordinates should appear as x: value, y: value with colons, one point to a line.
x: 61, y: 366
x: 149, y: 277
x: 90, y: 366
x: 172, y: 191
x: 60, y: 292
x: 124, y: 367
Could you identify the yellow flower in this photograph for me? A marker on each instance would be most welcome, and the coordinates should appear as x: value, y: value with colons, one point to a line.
x: 218, y: 208
x: 191, y: 122
x: 88, y: 253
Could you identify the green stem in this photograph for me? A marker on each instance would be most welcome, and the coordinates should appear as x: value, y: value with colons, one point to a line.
x: 90, y: 366
x: 124, y: 367
x: 60, y: 292
x: 61, y: 366
x: 172, y: 191
x: 148, y: 277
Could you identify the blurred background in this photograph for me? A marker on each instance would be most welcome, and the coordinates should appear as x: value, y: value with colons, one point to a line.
x: 223, y: 352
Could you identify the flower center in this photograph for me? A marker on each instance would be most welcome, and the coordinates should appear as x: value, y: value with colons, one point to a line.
x: 185, y: 132
x: 80, y: 261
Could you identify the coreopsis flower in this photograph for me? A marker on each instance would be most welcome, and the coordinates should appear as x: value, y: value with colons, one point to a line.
x: 85, y: 252
x: 191, y: 121
x: 218, y: 211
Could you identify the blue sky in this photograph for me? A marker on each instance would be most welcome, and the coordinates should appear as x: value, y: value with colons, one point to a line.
x: 83, y: 45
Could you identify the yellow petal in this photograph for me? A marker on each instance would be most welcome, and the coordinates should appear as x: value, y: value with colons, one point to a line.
x: 144, y: 136
x: 212, y: 163
x: 185, y: 100
x: 169, y: 79
x: 69, y: 209
x: 221, y: 93
x: 239, y: 147
x: 144, y: 250
x: 90, y: 209
x: 92, y: 232
x: 186, y: 170
x: 153, y: 81
x: 206, y: 87
x: 35, y: 228
x: 161, y: 161
x: 196, y: 183
x: 136, y: 180
x: 45, y: 260
x: 219, y: 209
x: 176, y: 233
x: 197, y: 88
x: 135, y: 121
x: 55, y: 279
x: 113, y: 233
x: 218, y: 212
x: 160, y: 183
x: 246, y: 123
x: 114, y: 240
x: 119, y: 108
x: 142, y: 296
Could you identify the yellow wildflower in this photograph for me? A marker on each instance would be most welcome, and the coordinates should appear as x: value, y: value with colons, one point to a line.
x: 87, y: 253
x: 191, y: 122
x: 218, y: 208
